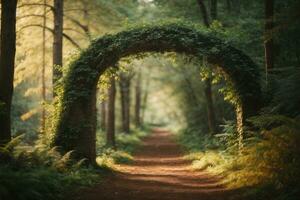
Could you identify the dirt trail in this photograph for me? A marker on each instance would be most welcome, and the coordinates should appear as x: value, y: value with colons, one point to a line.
x: 158, y: 172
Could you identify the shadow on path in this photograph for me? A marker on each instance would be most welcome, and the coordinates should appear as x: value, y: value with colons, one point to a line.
x: 158, y: 172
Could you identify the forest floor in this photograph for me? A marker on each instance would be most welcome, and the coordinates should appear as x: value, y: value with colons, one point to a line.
x: 158, y: 172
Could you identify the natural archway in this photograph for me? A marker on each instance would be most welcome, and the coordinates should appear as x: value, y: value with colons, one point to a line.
x: 74, y: 127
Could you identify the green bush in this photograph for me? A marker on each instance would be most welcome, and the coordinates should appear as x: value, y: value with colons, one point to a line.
x: 35, y: 173
x: 268, y: 165
x: 126, y: 145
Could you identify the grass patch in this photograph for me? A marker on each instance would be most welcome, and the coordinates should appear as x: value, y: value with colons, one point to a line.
x: 267, y: 167
x: 126, y: 146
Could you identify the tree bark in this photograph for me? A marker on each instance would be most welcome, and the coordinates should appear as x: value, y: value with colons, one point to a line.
x: 237, y: 6
x: 110, y: 132
x: 103, y: 115
x: 228, y: 6
x: 138, y: 94
x: 44, y: 67
x: 208, y: 91
x: 214, y: 9
x: 7, y: 64
x: 125, y: 101
x: 203, y: 12
x: 268, y: 43
x: 57, y: 42
x: 210, y: 107
x: 144, y: 100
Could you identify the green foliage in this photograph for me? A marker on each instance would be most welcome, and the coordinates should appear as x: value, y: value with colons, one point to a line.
x: 284, y: 92
x: 178, y: 37
x: 126, y: 146
x: 34, y: 173
x: 268, y: 164
x: 41, y: 183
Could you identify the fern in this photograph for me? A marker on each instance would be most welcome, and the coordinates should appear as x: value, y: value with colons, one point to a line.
x: 64, y: 162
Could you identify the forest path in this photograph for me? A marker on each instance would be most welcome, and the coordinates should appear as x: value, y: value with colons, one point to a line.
x: 158, y: 172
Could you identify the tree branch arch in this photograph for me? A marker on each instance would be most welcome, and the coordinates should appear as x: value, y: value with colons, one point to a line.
x: 74, y: 127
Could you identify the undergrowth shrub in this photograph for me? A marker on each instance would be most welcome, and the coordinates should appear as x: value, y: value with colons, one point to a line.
x: 35, y: 173
x: 126, y: 145
x: 268, y: 165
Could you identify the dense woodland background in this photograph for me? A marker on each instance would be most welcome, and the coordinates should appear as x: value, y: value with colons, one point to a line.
x: 176, y: 91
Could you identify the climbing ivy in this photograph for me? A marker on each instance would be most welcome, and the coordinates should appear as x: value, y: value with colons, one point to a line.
x: 74, y: 127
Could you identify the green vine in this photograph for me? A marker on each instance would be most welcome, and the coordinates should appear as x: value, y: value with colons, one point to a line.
x: 74, y: 116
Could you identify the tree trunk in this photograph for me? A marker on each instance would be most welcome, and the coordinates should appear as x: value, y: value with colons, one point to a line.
x: 214, y: 9
x: 237, y: 6
x: 57, y: 42
x: 125, y: 101
x: 44, y: 67
x: 208, y: 91
x: 144, y: 100
x: 228, y: 6
x: 203, y: 12
x: 210, y: 107
x: 138, y: 93
x: 269, y: 24
x: 7, y: 64
x: 103, y: 115
x: 86, y: 18
x: 144, y: 106
x: 111, y: 114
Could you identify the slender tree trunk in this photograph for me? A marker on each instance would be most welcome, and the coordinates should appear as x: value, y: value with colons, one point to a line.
x: 125, y: 101
x: 138, y: 94
x: 237, y: 6
x: 208, y: 91
x: 228, y: 6
x: 44, y: 67
x: 7, y: 64
x: 210, y: 107
x: 269, y: 24
x: 110, y: 127
x: 203, y: 12
x: 87, y: 22
x: 57, y: 42
x: 103, y: 115
x: 144, y: 106
x: 214, y: 9
x: 145, y: 99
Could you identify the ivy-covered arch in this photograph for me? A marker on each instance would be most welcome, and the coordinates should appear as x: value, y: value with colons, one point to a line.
x: 75, y: 124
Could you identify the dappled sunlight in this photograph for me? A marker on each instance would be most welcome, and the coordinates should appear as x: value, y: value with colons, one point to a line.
x: 158, y: 169
x: 149, y: 100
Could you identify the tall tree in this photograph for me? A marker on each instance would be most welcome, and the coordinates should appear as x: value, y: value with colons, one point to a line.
x: 208, y: 90
x: 228, y: 6
x: 144, y: 101
x: 125, y: 80
x: 103, y: 115
x: 214, y: 9
x: 44, y: 66
x: 7, y: 64
x: 58, y: 41
x: 110, y: 127
x: 269, y: 25
x: 138, y: 94
x: 203, y: 12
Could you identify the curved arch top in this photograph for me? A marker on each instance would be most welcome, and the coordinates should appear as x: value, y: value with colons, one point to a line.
x: 75, y: 125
